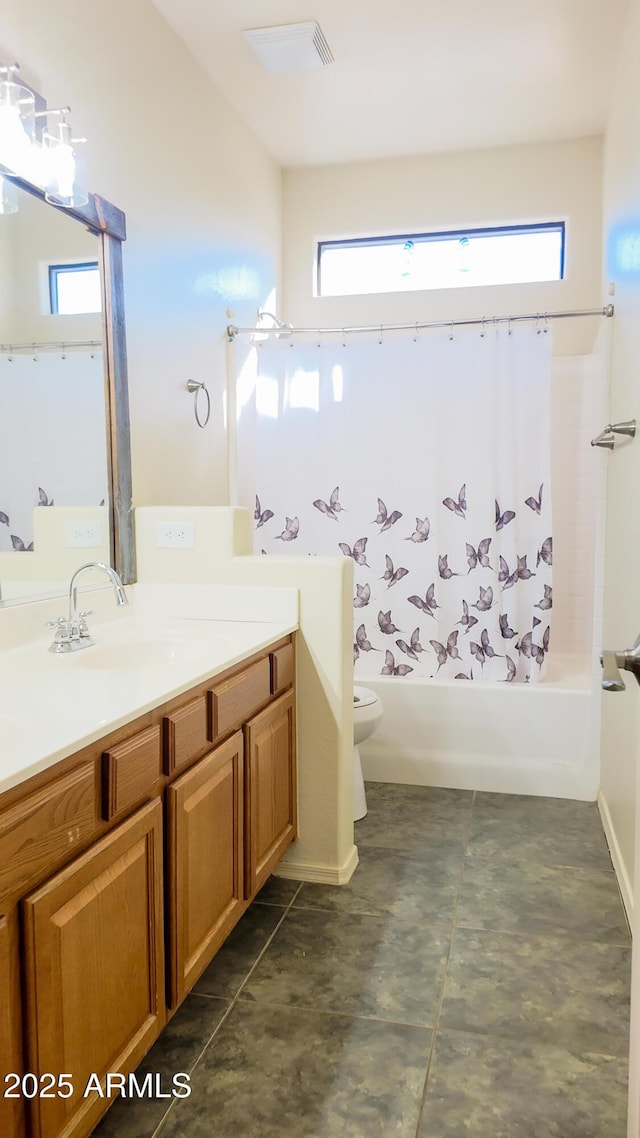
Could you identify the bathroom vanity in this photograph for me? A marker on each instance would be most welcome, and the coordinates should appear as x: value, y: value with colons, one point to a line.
x: 126, y: 861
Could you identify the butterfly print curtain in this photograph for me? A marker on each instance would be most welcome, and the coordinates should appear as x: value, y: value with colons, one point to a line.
x: 53, y: 448
x: 426, y: 461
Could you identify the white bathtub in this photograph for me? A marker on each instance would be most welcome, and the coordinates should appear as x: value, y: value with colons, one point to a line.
x: 540, y: 739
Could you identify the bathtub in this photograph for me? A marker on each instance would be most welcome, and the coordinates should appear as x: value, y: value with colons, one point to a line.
x: 539, y: 739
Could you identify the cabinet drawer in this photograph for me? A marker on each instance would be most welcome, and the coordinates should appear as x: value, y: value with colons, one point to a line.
x: 281, y: 662
x: 236, y: 699
x: 42, y: 831
x: 185, y: 735
x: 130, y: 772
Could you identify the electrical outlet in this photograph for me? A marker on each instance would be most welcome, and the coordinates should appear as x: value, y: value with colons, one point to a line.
x: 175, y: 535
x: 83, y: 535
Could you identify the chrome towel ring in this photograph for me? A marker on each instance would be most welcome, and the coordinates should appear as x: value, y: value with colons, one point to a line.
x: 195, y: 388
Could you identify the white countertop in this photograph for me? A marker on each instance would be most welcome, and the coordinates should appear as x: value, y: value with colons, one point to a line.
x: 166, y: 641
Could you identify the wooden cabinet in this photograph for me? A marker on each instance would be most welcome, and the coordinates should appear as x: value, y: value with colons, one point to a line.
x: 88, y: 859
x: 94, y: 968
x: 270, y: 790
x: 11, y: 1109
x: 205, y: 860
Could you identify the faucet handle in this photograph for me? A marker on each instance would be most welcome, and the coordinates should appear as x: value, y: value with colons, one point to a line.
x: 62, y: 635
x: 612, y: 661
x: 611, y: 678
x: 59, y: 623
x: 83, y: 627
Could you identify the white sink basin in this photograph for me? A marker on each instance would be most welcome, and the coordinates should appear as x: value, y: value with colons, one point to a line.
x: 138, y: 654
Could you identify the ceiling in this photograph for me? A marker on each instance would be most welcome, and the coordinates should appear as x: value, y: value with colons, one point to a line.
x: 417, y: 77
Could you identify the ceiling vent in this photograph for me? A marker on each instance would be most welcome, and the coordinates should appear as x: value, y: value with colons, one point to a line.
x: 290, y: 47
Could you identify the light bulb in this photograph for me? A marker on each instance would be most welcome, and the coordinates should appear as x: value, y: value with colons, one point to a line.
x: 64, y: 179
x: 64, y: 170
x: 17, y: 105
x: 14, y: 142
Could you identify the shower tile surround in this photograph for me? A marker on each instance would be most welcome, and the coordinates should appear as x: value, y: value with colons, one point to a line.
x: 446, y: 989
x: 578, y: 487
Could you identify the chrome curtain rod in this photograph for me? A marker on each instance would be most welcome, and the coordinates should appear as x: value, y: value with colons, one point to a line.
x: 285, y: 330
x: 54, y: 346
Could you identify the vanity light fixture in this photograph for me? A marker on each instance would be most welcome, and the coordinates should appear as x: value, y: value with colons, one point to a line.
x: 17, y: 122
x: 43, y: 155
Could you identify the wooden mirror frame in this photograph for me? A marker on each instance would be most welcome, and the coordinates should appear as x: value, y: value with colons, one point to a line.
x: 108, y: 223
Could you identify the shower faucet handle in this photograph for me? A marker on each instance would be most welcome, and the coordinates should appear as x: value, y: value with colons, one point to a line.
x: 628, y: 660
x: 611, y: 678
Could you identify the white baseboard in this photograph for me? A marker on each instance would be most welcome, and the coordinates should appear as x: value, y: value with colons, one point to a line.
x: 616, y: 857
x: 323, y: 874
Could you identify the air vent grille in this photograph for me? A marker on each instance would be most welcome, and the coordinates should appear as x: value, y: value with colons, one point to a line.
x: 321, y: 46
x: 290, y: 47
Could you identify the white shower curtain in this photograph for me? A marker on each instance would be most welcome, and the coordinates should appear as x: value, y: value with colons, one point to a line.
x: 53, y: 448
x: 426, y: 460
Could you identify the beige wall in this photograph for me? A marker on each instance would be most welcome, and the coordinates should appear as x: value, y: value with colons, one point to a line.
x: 202, y: 200
x: 621, y: 607
x: 6, y: 265
x: 549, y: 182
x: 620, y: 727
x: 35, y: 237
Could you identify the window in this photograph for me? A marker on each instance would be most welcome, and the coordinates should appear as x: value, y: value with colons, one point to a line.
x: 74, y: 289
x: 457, y: 259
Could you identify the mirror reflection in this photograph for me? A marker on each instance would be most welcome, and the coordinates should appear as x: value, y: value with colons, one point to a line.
x: 53, y: 451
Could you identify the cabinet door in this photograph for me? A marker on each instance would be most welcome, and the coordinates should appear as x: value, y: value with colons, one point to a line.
x: 94, y: 969
x: 11, y: 1109
x: 205, y: 823
x: 270, y: 789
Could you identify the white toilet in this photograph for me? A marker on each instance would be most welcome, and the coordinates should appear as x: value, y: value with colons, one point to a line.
x: 367, y: 713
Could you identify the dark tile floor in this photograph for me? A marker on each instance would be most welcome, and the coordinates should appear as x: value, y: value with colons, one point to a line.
x: 472, y: 979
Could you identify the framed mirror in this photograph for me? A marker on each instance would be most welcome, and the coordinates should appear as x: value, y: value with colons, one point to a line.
x: 64, y: 409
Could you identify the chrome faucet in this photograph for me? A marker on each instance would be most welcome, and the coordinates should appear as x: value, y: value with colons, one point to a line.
x: 73, y: 633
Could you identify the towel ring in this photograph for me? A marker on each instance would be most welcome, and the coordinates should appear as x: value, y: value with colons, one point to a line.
x: 195, y: 388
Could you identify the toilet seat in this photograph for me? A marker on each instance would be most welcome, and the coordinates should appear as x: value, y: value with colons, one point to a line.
x: 363, y: 697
